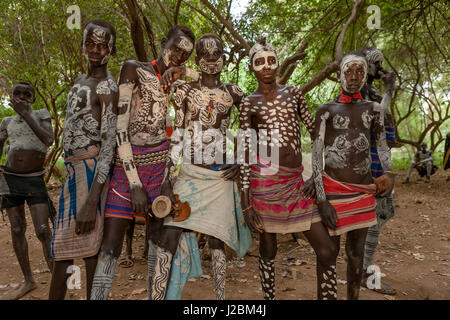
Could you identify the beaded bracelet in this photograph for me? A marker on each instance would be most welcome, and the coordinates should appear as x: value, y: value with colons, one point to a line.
x: 391, y: 172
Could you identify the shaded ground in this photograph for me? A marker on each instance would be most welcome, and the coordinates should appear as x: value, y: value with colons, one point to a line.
x: 413, y: 253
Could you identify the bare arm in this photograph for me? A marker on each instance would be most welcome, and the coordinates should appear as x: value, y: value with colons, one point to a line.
x: 42, y: 129
x: 108, y: 101
x: 384, y: 183
x: 3, y: 134
x: 246, y: 147
x: 326, y: 210
x: 231, y: 171
x: 303, y: 111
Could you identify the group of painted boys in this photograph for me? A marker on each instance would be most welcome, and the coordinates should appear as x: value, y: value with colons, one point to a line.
x: 118, y: 159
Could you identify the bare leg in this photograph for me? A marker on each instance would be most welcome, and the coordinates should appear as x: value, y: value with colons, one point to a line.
x: 114, y: 232
x: 267, y: 253
x: 58, y: 286
x: 429, y: 166
x: 326, y: 253
x: 40, y: 216
x: 354, y: 248
x: 410, y: 170
x: 152, y: 233
x: 219, y: 266
x: 167, y: 247
x: 18, y: 227
x: 127, y: 260
x: 90, y: 265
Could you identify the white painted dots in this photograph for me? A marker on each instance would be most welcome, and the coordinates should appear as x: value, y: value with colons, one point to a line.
x: 267, y: 276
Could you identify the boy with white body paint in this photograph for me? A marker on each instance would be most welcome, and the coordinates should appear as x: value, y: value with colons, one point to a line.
x: 142, y: 150
x: 203, y: 110
x: 88, y: 143
x: 345, y: 188
x: 274, y: 196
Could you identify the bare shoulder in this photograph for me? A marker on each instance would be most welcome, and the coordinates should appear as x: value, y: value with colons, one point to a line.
x: 325, y: 107
x: 43, y: 114
x: 234, y: 91
x: 128, y: 71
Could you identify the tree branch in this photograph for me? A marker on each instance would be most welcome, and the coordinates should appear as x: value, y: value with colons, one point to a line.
x: 333, y: 66
x: 228, y: 25
x: 290, y: 63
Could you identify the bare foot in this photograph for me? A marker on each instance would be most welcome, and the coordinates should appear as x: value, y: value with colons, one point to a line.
x: 19, y: 292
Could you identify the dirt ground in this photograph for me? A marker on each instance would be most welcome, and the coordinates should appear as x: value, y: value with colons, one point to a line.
x: 413, y: 254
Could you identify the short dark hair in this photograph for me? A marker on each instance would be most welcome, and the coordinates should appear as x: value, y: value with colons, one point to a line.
x: 104, y: 24
x: 187, y: 31
x: 25, y: 84
x: 208, y: 35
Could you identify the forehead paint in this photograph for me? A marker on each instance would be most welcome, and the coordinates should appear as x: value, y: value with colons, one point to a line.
x: 265, y: 54
x: 211, y: 67
x: 185, y: 44
x: 372, y: 57
x: 348, y: 61
x: 209, y: 44
x: 166, y: 57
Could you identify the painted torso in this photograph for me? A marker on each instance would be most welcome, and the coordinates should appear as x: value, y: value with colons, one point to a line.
x: 280, y: 112
x: 149, y: 104
x: 83, y: 112
x: 21, y: 136
x: 206, y: 108
x: 347, y: 141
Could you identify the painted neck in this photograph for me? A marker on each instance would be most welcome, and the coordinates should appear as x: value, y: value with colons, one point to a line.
x: 210, y: 80
x: 98, y: 71
x: 161, y: 66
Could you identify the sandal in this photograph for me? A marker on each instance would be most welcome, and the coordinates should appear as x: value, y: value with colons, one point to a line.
x: 384, y: 287
x: 126, y: 261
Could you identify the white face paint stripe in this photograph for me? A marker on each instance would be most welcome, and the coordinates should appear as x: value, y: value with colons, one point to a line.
x: 185, y: 44
x: 265, y: 54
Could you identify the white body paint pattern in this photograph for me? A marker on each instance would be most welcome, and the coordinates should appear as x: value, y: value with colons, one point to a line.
x: 364, y: 167
x: 148, y: 117
x: 142, y: 118
x: 19, y: 133
x: 367, y: 119
x: 193, y: 108
x: 80, y: 127
x: 340, y: 122
x: 106, y: 87
x: 336, y: 155
x: 185, y: 44
x: 211, y: 67
x: 82, y: 130
x: 280, y: 114
x: 317, y: 158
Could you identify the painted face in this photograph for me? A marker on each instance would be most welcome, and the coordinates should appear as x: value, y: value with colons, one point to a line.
x: 265, y: 65
x: 353, y: 73
x: 97, y: 44
x: 265, y: 59
x: 23, y: 93
x: 375, y: 62
x: 210, y: 55
x: 177, y: 50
